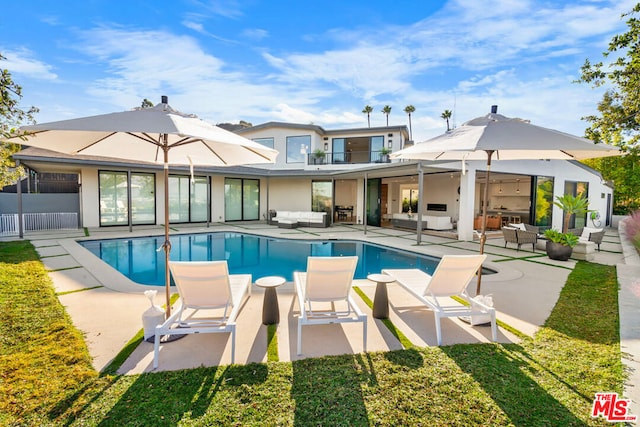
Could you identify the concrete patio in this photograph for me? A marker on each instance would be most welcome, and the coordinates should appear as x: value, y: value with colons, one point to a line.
x: 107, y: 307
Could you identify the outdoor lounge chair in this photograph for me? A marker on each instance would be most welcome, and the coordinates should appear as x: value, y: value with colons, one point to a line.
x: 204, y: 285
x: 586, y: 234
x: 519, y: 236
x: 324, y: 294
x: 451, y: 278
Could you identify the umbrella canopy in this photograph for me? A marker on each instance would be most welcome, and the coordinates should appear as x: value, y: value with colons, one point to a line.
x: 159, y: 134
x: 508, y: 139
x: 495, y: 136
x: 139, y: 135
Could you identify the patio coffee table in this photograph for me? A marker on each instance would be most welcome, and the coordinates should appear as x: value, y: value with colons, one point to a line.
x: 381, y: 299
x: 270, y: 309
x: 287, y: 223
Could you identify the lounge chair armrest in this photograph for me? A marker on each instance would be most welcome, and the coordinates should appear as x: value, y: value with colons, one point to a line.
x: 356, y: 308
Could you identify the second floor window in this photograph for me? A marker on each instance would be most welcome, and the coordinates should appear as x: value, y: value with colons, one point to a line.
x: 267, y: 142
x: 297, y: 148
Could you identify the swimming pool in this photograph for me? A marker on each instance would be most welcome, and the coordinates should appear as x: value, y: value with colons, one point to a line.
x: 138, y: 258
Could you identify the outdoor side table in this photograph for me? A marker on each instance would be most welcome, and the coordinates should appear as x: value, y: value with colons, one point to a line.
x: 270, y: 309
x: 381, y: 300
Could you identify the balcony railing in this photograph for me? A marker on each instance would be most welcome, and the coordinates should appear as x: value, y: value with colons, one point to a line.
x: 348, y: 157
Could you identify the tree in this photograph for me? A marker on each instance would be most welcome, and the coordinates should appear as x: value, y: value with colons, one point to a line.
x: 618, y: 121
x: 11, y: 117
x: 367, y: 110
x: 386, y: 110
x: 146, y: 103
x: 410, y: 109
x: 571, y: 205
x: 446, y: 115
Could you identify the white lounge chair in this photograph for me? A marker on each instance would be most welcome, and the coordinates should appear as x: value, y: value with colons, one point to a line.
x: 204, y: 285
x: 327, y: 282
x: 451, y: 278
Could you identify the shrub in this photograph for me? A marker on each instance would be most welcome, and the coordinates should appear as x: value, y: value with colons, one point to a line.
x: 632, y: 228
x: 566, y: 239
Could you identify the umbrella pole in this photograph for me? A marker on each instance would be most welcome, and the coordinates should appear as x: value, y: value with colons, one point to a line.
x: 483, y: 234
x: 167, y: 244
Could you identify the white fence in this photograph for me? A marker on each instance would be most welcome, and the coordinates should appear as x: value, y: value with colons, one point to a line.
x: 38, y: 221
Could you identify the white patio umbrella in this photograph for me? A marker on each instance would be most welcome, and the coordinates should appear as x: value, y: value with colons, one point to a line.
x: 495, y: 136
x: 149, y: 135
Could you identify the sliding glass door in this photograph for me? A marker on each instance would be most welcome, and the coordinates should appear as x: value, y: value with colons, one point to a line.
x: 188, y: 202
x: 241, y: 199
x: 542, y: 201
x: 114, y: 198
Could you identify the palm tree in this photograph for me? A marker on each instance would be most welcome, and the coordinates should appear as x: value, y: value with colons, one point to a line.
x: 571, y: 204
x: 387, y: 110
x: 446, y: 115
x: 367, y: 110
x: 410, y: 109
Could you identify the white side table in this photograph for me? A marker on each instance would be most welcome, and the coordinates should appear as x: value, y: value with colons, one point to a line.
x: 270, y: 308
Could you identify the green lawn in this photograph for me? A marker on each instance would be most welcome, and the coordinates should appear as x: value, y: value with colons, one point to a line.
x: 549, y: 380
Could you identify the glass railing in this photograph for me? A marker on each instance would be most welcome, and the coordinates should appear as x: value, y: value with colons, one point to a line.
x: 348, y: 157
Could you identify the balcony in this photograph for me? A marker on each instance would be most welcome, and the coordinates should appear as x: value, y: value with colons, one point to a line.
x: 348, y: 158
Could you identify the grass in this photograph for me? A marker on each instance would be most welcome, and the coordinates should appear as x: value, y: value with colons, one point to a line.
x: 46, y: 377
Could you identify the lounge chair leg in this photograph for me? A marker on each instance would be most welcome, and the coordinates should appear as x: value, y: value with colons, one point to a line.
x: 494, y: 328
x: 364, y: 335
x: 438, y: 331
x: 233, y: 345
x: 299, y: 339
x: 156, y: 350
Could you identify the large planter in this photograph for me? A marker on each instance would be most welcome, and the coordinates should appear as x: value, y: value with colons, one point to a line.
x: 558, y: 251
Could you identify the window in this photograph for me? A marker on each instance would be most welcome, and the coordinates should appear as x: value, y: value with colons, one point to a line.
x: 297, y: 148
x: 143, y: 200
x: 321, y: 196
x: 376, y: 144
x: 114, y: 204
x: 543, y: 201
x: 113, y: 198
x: 241, y: 199
x: 188, y: 202
x: 267, y: 142
x: 339, y: 150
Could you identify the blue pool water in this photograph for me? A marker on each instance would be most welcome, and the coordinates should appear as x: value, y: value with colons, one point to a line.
x: 139, y: 260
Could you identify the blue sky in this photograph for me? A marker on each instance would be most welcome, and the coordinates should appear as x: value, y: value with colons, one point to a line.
x: 312, y: 62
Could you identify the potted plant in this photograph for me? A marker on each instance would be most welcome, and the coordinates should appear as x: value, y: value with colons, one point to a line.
x: 560, y: 245
x: 319, y: 156
x: 384, y: 155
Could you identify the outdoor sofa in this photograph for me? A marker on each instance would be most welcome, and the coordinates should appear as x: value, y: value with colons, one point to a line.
x: 303, y: 218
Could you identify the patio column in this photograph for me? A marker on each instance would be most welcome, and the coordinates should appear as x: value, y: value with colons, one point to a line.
x: 467, y: 204
x: 129, y: 219
x: 420, y: 204
x: 364, y: 210
x: 19, y: 195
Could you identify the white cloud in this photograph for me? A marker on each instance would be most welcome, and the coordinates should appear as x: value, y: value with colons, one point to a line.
x: 521, y: 55
x: 22, y: 62
x: 255, y: 33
